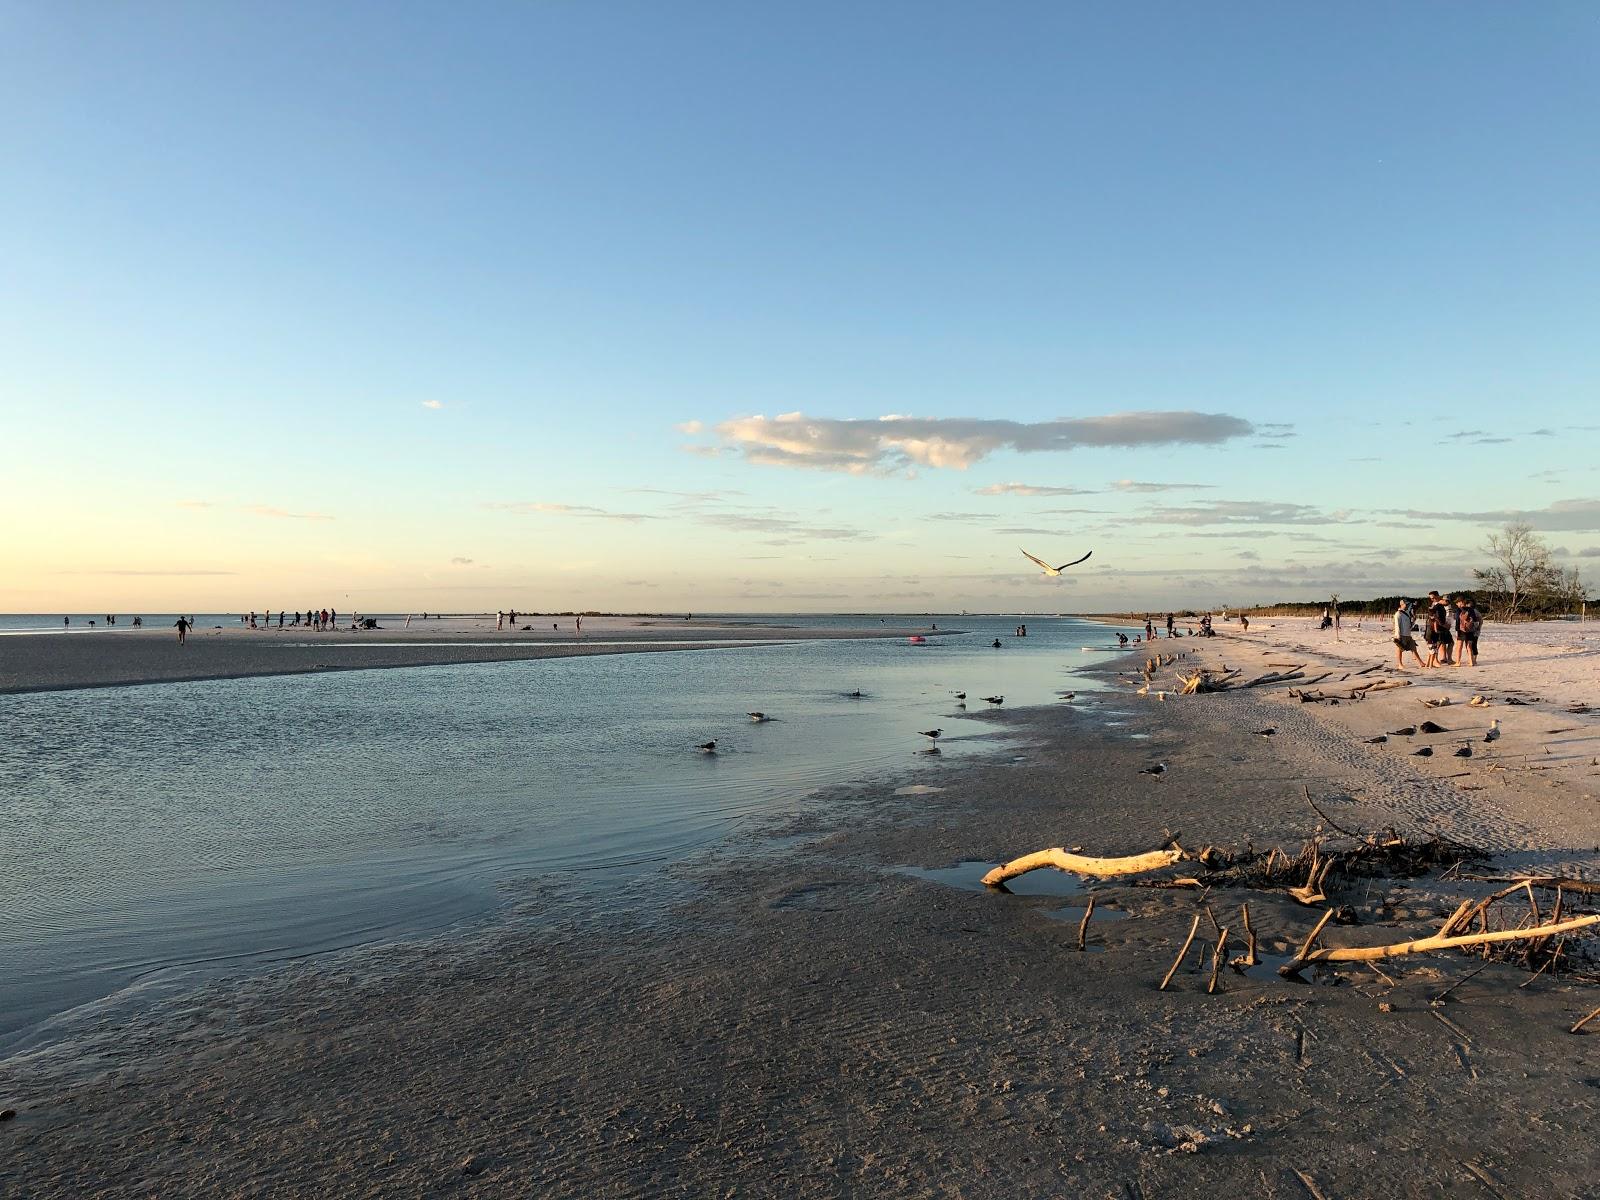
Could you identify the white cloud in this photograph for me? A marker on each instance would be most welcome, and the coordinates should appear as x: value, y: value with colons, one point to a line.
x: 1564, y: 516
x: 1029, y: 489
x: 1247, y: 512
x: 860, y: 446
x: 690, y: 427
x: 1135, y: 485
x: 266, y: 510
x: 566, y: 510
x: 434, y: 404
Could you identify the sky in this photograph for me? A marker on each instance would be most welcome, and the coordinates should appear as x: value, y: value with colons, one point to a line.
x: 818, y: 307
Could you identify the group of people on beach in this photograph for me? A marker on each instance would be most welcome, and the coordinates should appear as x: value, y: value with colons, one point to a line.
x: 1450, y: 629
x: 317, y: 619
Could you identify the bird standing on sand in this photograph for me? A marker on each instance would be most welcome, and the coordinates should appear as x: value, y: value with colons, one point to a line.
x: 1408, y: 731
x: 1430, y: 727
x: 931, y: 733
x: 1425, y: 752
x: 960, y: 695
x: 707, y: 747
x: 1465, y: 750
x: 1269, y: 731
x: 1379, y: 740
x: 1048, y: 569
x: 1494, y: 731
x: 1158, y: 770
x: 994, y: 699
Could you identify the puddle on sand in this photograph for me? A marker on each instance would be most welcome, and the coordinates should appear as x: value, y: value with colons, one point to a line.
x: 1074, y: 914
x: 969, y: 873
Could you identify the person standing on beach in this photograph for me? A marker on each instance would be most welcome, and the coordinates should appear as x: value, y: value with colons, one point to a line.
x: 1439, y: 639
x: 1403, y: 640
x: 1172, y: 626
x: 183, y: 631
x: 499, y: 620
x: 1468, y: 625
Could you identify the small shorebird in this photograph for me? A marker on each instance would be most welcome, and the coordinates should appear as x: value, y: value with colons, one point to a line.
x: 1465, y: 750
x: 855, y: 695
x: 1425, y: 752
x: 1048, y: 569
x: 960, y: 695
x: 1269, y: 731
x: 1494, y: 731
x: 1158, y: 770
x: 707, y: 747
x: 1430, y: 727
x: 758, y: 717
x: 931, y: 733
x: 1379, y: 740
x: 1408, y: 731
x: 994, y: 699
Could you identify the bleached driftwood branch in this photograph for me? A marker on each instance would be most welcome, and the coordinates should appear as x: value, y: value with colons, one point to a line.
x: 1084, y: 864
x: 1307, y: 955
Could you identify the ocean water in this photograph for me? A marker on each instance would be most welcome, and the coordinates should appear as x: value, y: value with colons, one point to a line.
x: 170, y: 829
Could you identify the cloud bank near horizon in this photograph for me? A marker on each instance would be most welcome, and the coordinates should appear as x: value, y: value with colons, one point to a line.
x: 860, y: 446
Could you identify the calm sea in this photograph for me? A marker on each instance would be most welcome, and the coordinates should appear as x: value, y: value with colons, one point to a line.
x: 159, y: 832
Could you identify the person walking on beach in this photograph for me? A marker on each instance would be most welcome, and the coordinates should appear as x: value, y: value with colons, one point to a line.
x: 183, y: 631
x: 1244, y: 623
x: 1468, y: 625
x: 1403, y: 640
x: 1172, y: 626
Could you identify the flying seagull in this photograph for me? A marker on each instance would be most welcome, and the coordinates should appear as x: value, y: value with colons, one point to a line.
x: 1048, y: 569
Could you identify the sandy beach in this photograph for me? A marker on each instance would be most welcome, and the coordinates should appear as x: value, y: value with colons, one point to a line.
x: 833, y: 1005
x: 125, y: 656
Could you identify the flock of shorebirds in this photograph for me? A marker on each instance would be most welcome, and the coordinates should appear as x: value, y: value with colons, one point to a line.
x: 1464, y: 750
x: 933, y: 735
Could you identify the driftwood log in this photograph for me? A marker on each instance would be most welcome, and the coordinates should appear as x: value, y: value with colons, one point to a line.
x: 1308, y: 955
x: 1084, y: 864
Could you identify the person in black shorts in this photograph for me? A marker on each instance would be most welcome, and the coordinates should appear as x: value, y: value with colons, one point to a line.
x: 182, y: 627
x: 1468, y: 625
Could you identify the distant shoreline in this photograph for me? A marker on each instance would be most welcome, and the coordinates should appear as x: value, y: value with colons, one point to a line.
x: 57, y: 661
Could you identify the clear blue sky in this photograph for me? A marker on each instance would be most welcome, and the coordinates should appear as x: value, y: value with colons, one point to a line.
x: 409, y: 302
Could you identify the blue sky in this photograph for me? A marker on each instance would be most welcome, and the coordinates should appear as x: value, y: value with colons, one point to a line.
x: 416, y: 305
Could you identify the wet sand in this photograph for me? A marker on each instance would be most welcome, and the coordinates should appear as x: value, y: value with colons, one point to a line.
x: 117, y: 658
x: 811, y: 1020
